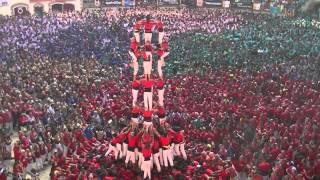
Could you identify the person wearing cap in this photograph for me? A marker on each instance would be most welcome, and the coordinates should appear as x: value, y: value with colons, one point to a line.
x: 135, y: 91
x: 134, y: 53
x: 162, y: 52
x: 148, y: 25
x: 147, y: 94
x: 147, y: 59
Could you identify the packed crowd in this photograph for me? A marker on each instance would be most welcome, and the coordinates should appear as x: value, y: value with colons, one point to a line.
x: 246, y: 113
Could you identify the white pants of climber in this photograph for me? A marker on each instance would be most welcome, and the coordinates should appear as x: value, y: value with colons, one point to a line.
x: 161, y: 156
x: 147, y: 98
x: 125, y: 149
x: 119, y: 150
x: 160, y: 37
x: 161, y: 97
x: 180, y: 151
x: 134, y: 63
x: 172, y: 151
x: 136, y: 154
x: 156, y: 161
x: 137, y: 36
x: 141, y: 159
x: 112, y: 149
x: 147, y: 65
x: 161, y: 63
x: 147, y: 124
x: 167, y: 157
x: 147, y: 37
x: 146, y: 168
x: 130, y: 157
x: 135, y: 97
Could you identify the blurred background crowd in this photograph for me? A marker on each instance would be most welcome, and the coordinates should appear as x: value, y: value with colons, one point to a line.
x: 245, y: 87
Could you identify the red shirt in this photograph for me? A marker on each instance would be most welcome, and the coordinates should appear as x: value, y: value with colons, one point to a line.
x: 148, y: 47
x: 137, y: 25
x: 156, y: 145
x: 160, y: 52
x: 264, y: 166
x: 165, y: 45
x: 147, y: 84
x: 164, y: 141
x: 159, y: 26
x: 132, y: 140
x: 135, y: 84
x: 145, y: 56
x: 148, y: 25
x: 115, y: 140
x: 146, y: 152
x: 133, y: 46
x: 179, y: 137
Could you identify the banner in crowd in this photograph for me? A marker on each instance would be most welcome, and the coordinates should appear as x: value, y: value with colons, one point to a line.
x: 51, y: 1
x: 3, y: 3
x: 113, y: 2
x: 214, y: 2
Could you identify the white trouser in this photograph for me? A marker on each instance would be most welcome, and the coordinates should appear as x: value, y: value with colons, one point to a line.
x: 137, y: 36
x: 156, y: 161
x: 147, y: 124
x: 119, y: 150
x: 161, y: 97
x: 125, y: 149
x: 167, y: 156
x: 162, y: 121
x: 161, y: 156
x: 135, y: 120
x: 147, y: 97
x: 160, y: 37
x: 161, y: 63
x: 141, y: 159
x: 146, y: 168
x: 136, y: 154
x: 147, y: 65
x: 134, y: 58
x: 179, y: 150
x: 172, y: 153
x: 112, y: 149
x: 130, y: 157
x: 147, y: 37
x: 134, y: 63
x: 135, y: 97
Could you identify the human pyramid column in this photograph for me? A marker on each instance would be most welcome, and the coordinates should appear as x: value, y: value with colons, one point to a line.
x: 148, y: 142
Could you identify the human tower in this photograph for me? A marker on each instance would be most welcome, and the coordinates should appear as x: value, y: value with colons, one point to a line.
x: 148, y: 141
